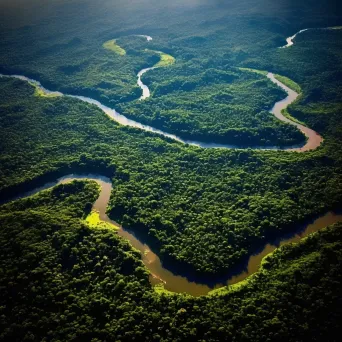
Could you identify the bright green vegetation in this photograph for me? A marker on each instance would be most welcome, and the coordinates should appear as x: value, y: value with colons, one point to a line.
x: 113, y: 46
x: 204, y: 210
x: 39, y: 92
x: 288, y: 82
x: 286, y: 113
x: 165, y: 59
x: 61, y: 280
x: 261, y: 72
x: 93, y: 220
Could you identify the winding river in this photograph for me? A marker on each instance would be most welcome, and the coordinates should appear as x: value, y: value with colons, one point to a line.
x: 145, y: 90
x: 160, y: 274
x: 313, y: 138
x: 290, y: 41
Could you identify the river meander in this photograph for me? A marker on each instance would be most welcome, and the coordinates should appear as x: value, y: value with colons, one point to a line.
x: 176, y: 280
x: 313, y: 138
x: 158, y: 273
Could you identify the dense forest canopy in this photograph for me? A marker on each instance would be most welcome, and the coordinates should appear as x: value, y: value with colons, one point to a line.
x: 63, y: 281
x: 203, y: 211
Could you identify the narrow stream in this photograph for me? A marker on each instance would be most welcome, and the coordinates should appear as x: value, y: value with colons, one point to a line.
x: 160, y: 274
x: 145, y: 90
x: 290, y: 41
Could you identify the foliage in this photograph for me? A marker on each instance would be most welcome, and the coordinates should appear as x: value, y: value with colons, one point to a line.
x: 203, y: 210
x: 291, y: 84
x: 229, y: 107
x: 62, y: 281
x: 93, y: 220
x: 68, y: 57
x: 165, y: 59
x: 178, y: 197
x: 113, y: 46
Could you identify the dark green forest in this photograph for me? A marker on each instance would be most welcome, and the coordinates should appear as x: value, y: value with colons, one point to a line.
x: 203, y: 211
x: 177, y: 196
x: 62, y: 281
x: 215, y: 106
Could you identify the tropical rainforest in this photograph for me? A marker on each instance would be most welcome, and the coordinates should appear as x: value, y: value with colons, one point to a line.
x: 203, y: 211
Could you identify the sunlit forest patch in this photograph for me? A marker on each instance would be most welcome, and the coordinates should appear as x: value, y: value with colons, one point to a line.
x: 113, y: 46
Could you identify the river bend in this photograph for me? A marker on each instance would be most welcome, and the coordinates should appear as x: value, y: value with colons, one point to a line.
x: 290, y: 40
x: 160, y: 274
x: 313, y: 138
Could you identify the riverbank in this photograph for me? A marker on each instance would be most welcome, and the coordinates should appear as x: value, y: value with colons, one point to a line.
x: 314, y: 140
x: 160, y: 275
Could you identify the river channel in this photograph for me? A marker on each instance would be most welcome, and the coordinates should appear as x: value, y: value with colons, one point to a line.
x: 161, y: 274
x: 158, y: 273
x: 312, y: 142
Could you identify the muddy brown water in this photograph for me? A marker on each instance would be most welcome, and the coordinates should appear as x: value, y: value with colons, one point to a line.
x: 159, y: 273
x: 314, y: 140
